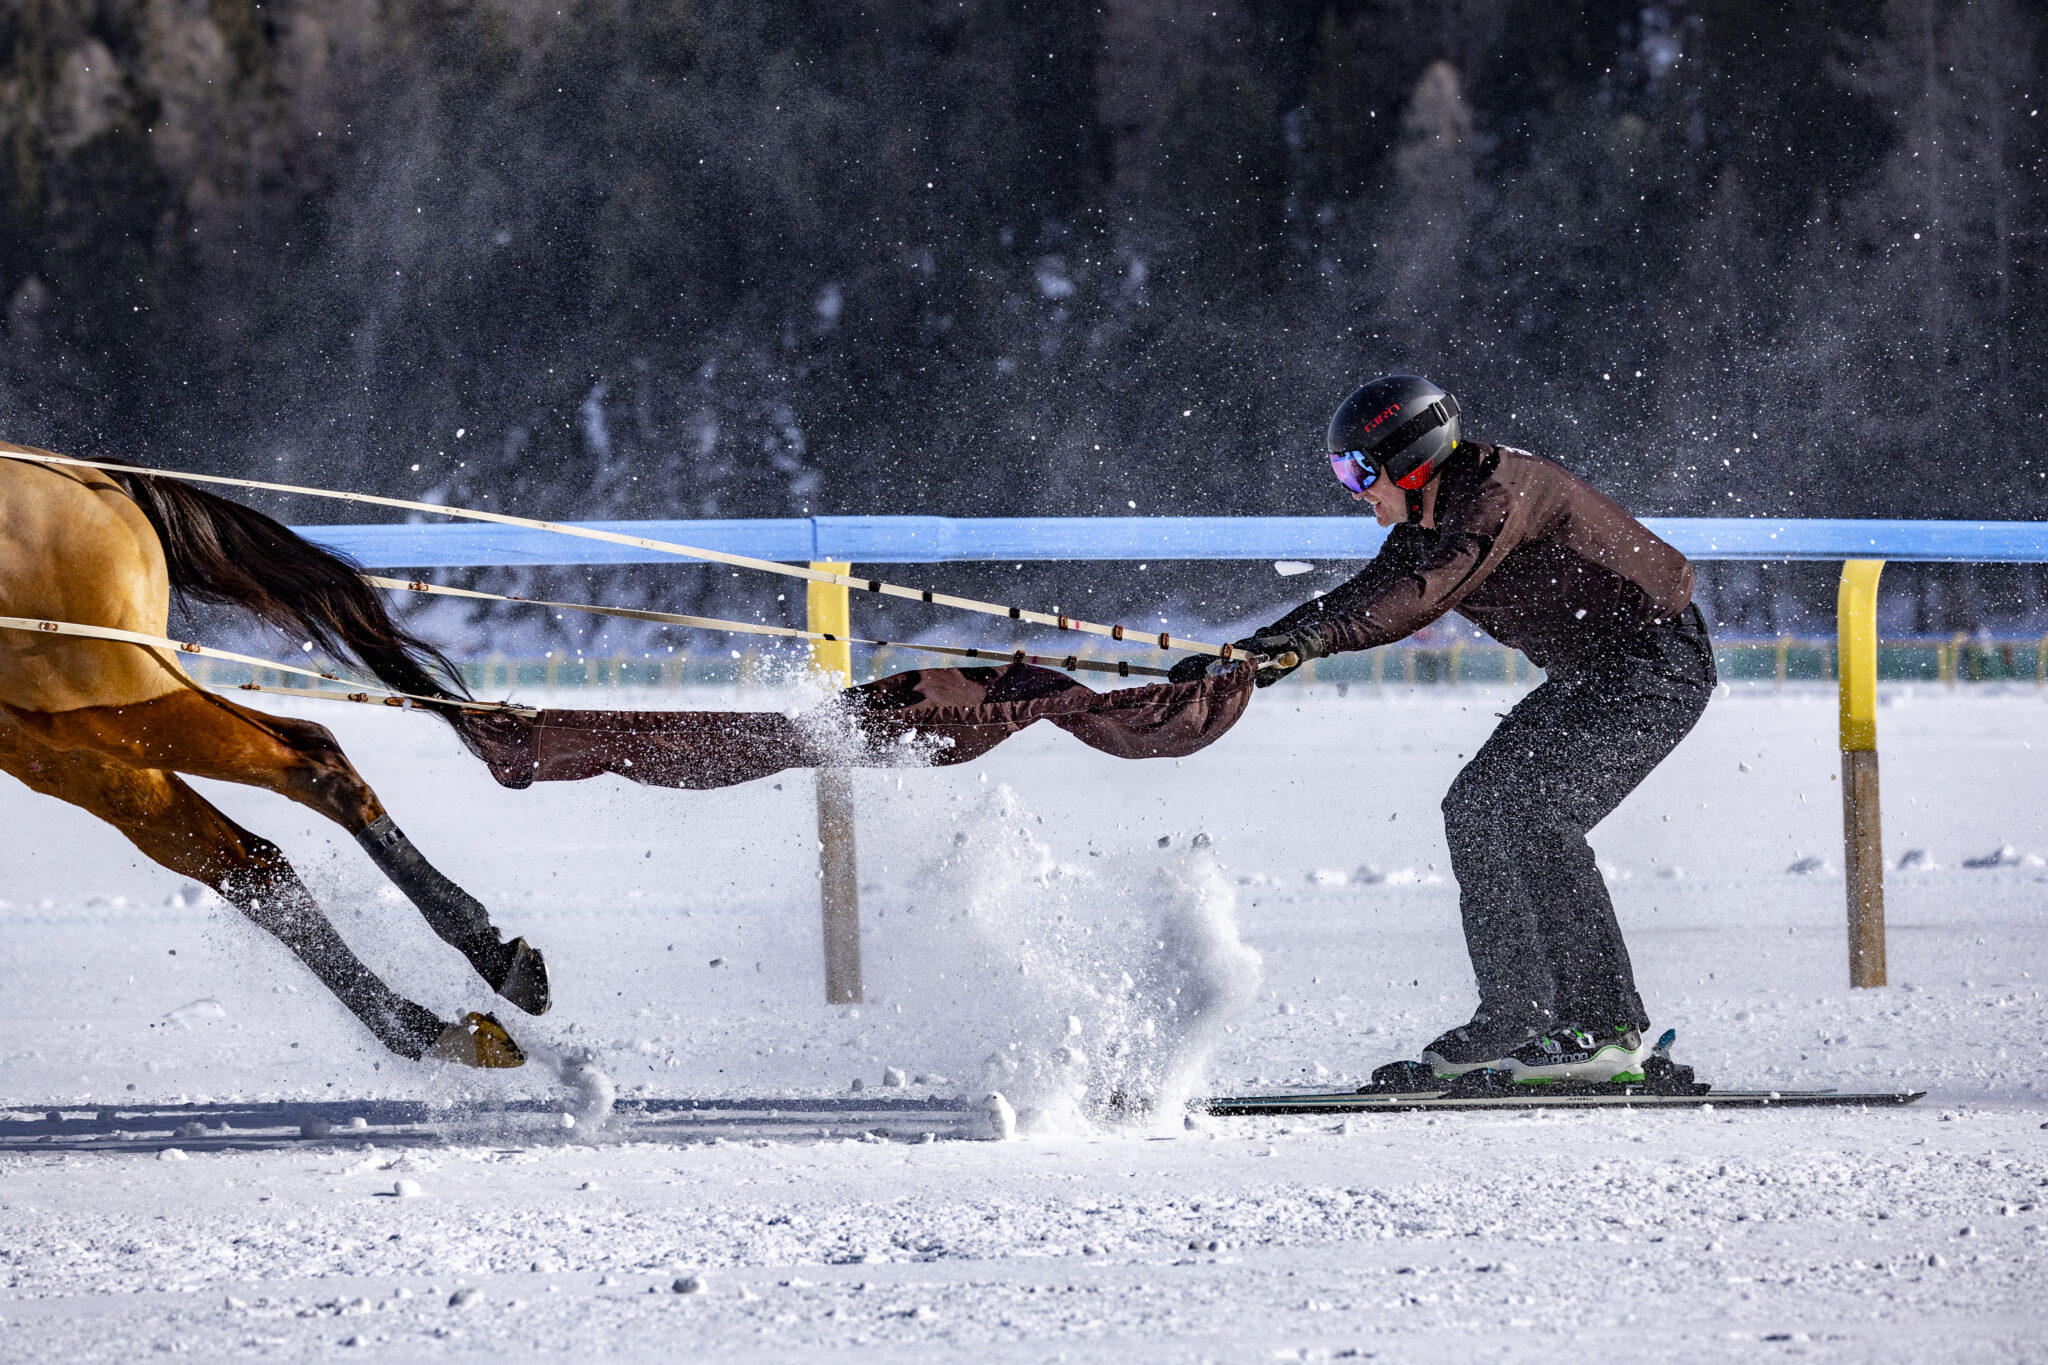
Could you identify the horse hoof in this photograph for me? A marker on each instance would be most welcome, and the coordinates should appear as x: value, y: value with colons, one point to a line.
x: 477, y: 1040
x: 525, y: 982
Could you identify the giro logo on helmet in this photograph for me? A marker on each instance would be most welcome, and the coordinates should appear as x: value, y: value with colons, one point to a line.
x: 1387, y: 412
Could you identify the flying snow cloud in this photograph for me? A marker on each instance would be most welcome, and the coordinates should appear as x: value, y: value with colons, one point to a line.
x: 1085, y: 995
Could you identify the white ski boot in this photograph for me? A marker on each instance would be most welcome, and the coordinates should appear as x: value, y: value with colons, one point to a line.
x: 1600, y: 1055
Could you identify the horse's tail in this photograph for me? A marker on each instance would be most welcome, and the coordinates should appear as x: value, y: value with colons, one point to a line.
x: 223, y: 552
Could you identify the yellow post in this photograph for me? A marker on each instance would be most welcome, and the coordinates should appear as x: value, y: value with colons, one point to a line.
x: 831, y: 613
x: 1862, y: 846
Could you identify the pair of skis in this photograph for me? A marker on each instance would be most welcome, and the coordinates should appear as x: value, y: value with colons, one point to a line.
x: 1406, y: 1087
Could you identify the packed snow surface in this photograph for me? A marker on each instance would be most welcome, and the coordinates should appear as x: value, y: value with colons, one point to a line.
x: 1064, y: 948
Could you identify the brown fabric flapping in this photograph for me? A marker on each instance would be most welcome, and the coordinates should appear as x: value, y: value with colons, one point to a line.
x: 929, y: 716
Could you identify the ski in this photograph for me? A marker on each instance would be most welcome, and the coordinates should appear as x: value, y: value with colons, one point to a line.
x: 1402, y: 1087
x: 1547, y: 1097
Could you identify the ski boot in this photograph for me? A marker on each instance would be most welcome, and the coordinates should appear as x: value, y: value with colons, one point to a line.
x: 1483, y: 1044
x: 1611, y: 1054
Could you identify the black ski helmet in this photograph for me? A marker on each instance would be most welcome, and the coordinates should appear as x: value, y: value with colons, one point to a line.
x: 1401, y: 423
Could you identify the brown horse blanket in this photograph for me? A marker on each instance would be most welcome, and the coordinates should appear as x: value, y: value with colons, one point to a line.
x: 930, y: 716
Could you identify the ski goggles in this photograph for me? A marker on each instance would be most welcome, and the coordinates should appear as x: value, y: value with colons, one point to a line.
x: 1354, y: 469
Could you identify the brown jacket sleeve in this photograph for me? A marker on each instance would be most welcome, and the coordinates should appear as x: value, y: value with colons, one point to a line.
x: 1399, y: 553
x: 1411, y: 581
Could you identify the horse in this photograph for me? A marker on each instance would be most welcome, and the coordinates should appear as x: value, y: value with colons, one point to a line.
x: 114, y: 728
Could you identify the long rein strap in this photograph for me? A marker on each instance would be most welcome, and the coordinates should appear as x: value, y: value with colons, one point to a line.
x: 376, y: 694
x: 1161, y: 640
x: 386, y: 696
x: 1071, y: 663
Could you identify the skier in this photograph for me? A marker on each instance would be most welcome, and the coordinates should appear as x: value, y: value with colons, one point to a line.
x: 1548, y: 565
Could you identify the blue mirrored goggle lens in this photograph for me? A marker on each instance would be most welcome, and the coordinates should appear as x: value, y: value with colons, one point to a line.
x: 1353, y: 469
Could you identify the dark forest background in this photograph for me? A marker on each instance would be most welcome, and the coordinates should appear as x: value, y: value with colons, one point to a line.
x: 990, y: 257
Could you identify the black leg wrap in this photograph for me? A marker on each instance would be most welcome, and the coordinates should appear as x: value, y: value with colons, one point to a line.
x: 514, y: 969
x: 458, y: 917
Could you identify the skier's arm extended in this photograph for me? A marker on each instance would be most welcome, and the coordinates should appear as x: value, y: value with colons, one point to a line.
x: 1401, y: 553
x: 1410, y: 583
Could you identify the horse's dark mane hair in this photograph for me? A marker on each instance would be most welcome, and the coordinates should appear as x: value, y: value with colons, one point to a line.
x: 226, y: 553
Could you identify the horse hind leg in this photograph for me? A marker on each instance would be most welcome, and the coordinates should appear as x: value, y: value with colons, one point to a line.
x: 208, y: 736
x: 328, y: 782
x: 175, y: 826
x: 270, y: 893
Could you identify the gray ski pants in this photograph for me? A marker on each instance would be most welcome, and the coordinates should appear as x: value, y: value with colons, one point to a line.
x: 1545, y: 945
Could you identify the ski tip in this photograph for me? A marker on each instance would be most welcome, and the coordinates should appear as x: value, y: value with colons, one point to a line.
x: 1664, y: 1042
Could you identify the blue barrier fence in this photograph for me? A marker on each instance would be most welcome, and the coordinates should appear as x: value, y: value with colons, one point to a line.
x: 932, y: 540
x: 938, y: 540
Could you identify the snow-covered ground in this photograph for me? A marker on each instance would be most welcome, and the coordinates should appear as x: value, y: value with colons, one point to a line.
x: 1026, y: 932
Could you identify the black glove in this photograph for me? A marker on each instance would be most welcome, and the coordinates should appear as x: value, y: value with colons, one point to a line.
x: 1191, y: 669
x: 1303, y: 642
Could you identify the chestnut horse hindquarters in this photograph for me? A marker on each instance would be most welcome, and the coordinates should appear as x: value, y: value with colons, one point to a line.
x: 76, y: 548
x: 934, y: 716
x: 107, y: 725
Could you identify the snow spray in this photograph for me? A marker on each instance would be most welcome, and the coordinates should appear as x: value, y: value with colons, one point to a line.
x: 1088, y: 994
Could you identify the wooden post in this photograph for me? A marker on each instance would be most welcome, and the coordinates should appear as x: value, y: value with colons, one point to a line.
x: 1862, y: 846
x: 831, y: 613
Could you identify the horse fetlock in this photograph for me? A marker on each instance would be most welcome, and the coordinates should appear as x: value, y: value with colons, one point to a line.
x: 410, y: 1030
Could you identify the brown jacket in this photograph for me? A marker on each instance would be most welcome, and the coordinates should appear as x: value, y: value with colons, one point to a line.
x: 1534, y: 556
